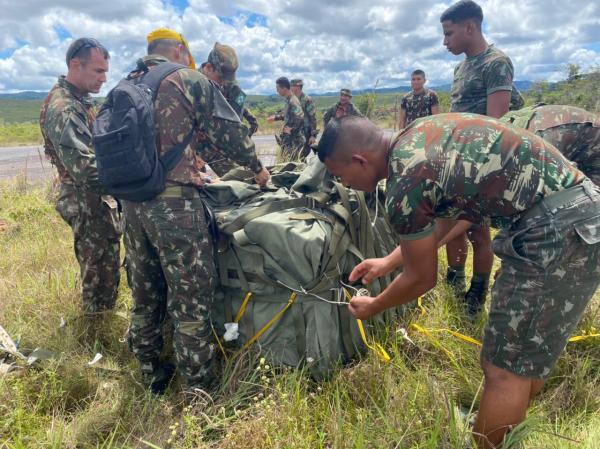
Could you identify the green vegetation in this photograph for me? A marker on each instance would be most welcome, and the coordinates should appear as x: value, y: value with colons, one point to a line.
x: 19, y: 134
x: 417, y: 401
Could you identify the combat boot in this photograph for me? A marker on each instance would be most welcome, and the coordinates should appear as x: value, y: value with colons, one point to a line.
x: 476, y: 296
x: 156, y: 376
x: 455, y: 278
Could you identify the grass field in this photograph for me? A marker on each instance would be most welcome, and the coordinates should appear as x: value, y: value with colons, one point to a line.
x: 418, y: 400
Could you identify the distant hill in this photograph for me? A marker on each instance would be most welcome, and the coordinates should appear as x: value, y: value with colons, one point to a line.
x: 25, y: 95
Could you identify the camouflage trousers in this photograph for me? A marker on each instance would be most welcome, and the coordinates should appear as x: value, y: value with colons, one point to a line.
x: 550, y: 270
x: 291, y: 145
x: 96, y: 226
x: 173, y: 274
x: 580, y: 143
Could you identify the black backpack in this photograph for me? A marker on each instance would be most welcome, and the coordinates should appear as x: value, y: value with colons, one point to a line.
x: 129, y: 167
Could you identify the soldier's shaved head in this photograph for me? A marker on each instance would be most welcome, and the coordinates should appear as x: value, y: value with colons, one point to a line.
x: 349, y: 135
x: 356, y: 151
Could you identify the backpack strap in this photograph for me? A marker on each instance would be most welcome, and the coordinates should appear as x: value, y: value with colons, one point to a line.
x: 152, y: 79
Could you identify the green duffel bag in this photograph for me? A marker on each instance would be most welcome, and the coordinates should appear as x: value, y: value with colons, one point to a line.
x: 283, y: 257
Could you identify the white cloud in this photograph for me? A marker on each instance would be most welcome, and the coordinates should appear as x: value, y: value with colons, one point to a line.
x: 349, y: 43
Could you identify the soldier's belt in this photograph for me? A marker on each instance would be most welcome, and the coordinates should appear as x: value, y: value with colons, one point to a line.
x: 180, y: 192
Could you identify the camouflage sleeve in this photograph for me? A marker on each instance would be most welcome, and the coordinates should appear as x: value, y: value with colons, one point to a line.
x: 219, y: 122
x: 311, y: 111
x: 411, y: 208
x: 72, y: 139
x: 516, y: 99
x: 403, y: 103
x: 498, y: 75
x: 251, y: 121
x: 327, y: 116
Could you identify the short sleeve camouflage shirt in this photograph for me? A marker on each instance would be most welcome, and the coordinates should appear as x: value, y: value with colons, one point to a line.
x: 465, y: 166
x: 479, y: 76
x: 417, y: 105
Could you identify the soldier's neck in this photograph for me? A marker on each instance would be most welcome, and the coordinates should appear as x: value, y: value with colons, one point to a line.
x: 75, y: 85
x: 476, y: 47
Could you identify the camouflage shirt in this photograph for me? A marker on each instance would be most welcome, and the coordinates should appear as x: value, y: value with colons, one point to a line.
x: 417, y: 105
x: 338, y: 110
x: 187, y: 99
x: 479, y: 76
x: 235, y: 96
x: 292, y: 115
x: 465, y: 166
x: 66, y: 121
x: 310, y: 115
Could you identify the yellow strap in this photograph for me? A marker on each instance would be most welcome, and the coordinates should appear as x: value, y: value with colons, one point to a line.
x: 266, y: 327
x: 218, y: 341
x: 420, y: 304
x: 435, y: 341
x: 240, y: 313
x: 583, y: 337
x: 379, y: 351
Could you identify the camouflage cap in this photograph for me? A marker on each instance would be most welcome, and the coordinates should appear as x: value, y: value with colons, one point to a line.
x: 347, y: 92
x: 224, y: 59
x: 297, y: 82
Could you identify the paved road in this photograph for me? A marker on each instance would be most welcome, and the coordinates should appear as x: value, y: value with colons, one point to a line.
x: 31, y: 162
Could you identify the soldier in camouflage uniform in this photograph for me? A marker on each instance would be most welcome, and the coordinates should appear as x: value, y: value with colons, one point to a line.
x: 342, y: 108
x: 475, y: 168
x: 167, y: 238
x: 483, y: 84
x: 575, y: 132
x: 310, y: 116
x: 421, y: 102
x: 220, y: 67
x: 66, y: 120
x: 291, y: 140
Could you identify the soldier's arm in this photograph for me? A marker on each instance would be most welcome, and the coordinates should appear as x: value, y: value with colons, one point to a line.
x: 312, y: 118
x: 402, y: 119
x: 498, y: 78
x: 72, y: 140
x: 435, y: 104
x: 251, y: 121
x: 225, y: 130
x: 327, y: 116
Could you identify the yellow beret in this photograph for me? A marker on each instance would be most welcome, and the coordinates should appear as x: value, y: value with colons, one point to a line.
x: 166, y: 33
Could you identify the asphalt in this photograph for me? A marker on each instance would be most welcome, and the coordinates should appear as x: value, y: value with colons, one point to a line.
x: 30, y: 161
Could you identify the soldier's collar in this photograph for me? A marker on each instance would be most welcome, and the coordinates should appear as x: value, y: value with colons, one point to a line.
x: 84, y: 98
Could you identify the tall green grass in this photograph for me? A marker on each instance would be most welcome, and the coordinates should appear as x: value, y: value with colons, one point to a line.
x: 421, y: 399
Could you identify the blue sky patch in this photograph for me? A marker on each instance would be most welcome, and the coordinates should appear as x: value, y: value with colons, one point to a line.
x: 8, y: 52
x: 179, y: 5
x: 62, y: 32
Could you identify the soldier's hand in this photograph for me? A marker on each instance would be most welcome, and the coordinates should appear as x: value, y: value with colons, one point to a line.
x: 271, y: 118
x: 287, y: 130
x: 363, y: 307
x: 370, y: 269
x: 312, y: 140
x: 253, y: 129
x: 262, y: 177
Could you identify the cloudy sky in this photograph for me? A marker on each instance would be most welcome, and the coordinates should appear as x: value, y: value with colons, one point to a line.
x: 350, y: 43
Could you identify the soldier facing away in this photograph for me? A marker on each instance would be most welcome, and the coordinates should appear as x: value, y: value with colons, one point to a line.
x: 575, y: 132
x: 475, y: 168
x: 291, y: 139
x: 310, y: 116
x: 342, y: 108
x: 421, y: 102
x: 221, y: 66
x: 167, y: 238
x: 66, y: 121
x: 483, y: 84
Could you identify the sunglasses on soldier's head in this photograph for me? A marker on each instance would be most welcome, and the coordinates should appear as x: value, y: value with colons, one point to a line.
x: 85, y: 43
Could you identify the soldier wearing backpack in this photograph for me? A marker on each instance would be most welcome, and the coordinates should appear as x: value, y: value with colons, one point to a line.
x: 65, y: 120
x: 166, y: 236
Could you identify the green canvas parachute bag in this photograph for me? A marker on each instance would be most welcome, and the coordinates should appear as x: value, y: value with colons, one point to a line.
x: 283, y: 257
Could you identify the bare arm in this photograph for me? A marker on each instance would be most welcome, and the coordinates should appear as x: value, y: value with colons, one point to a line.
x: 498, y: 103
x: 435, y: 109
x: 418, y: 277
x: 402, y: 119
